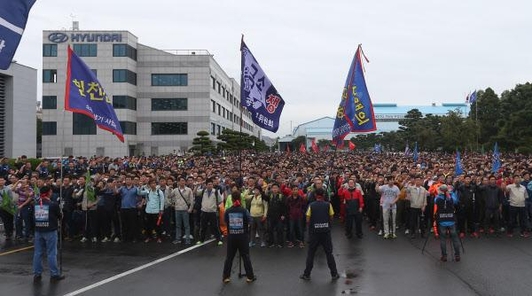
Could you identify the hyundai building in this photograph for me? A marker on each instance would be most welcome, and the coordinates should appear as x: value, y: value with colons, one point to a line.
x: 162, y: 98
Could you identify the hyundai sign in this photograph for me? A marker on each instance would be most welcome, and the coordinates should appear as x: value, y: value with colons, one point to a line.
x: 60, y: 37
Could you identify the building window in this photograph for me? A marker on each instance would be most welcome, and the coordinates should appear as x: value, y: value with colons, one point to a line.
x: 219, y: 109
x: 128, y: 127
x: 49, y: 128
x: 213, y: 83
x: 213, y: 106
x: 95, y: 72
x: 178, y: 104
x: 213, y: 129
x: 85, y: 50
x: 49, y: 102
x: 49, y: 50
x: 223, y: 91
x: 124, y: 50
x: 124, y: 102
x: 169, y: 128
x: 83, y: 125
x: 49, y: 75
x: 219, y: 87
x: 169, y: 79
x: 219, y: 129
x: 124, y: 75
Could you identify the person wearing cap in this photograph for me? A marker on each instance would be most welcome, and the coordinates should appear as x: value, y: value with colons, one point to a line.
x: 444, y: 212
x: 47, y: 215
x: 319, y: 216
x: 237, y: 220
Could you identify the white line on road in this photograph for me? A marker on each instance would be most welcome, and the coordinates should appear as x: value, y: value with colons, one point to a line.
x: 126, y: 273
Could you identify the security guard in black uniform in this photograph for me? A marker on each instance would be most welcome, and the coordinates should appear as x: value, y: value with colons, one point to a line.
x: 237, y: 221
x: 319, y: 216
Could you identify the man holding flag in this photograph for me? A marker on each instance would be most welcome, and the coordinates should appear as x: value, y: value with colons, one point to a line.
x: 13, y: 19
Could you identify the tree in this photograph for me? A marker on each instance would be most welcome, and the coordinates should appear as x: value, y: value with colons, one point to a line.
x: 488, y: 114
x: 296, y: 143
x: 202, y: 144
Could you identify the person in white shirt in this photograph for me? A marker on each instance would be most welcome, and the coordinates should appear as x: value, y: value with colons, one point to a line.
x: 517, y: 195
x: 389, y: 196
x: 417, y: 195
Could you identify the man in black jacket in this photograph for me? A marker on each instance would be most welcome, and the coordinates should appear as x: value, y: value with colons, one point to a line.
x: 276, y: 216
x: 47, y: 215
x: 237, y: 220
x: 319, y: 216
x: 466, y: 211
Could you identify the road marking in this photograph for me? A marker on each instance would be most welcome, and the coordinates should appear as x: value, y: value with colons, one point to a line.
x: 16, y: 251
x: 126, y: 273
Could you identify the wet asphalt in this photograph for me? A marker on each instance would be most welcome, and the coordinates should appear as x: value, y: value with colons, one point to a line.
x: 368, y: 266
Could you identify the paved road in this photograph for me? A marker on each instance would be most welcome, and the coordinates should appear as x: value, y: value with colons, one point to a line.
x: 371, y: 266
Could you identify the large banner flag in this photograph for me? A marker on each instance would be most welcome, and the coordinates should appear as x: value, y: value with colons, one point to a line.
x: 84, y: 94
x: 355, y: 112
x: 13, y: 19
x: 257, y: 93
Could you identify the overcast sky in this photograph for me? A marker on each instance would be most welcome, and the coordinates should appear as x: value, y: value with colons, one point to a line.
x: 420, y: 51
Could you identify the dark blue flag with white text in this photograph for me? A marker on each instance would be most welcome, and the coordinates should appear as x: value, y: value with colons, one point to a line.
x: 257, y: 93
x: 355, y: 111
x: 13, y: 19
x: 84, y: 94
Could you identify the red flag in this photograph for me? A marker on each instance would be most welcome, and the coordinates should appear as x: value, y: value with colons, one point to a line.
x: 314, y: 146
x: 352, y: 146
x: 287, y: 148
x: 325, y: 148
x: 302, y: 148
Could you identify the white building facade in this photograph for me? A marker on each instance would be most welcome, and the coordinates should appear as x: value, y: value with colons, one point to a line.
x: 162, y: 98
x: 18, y: 119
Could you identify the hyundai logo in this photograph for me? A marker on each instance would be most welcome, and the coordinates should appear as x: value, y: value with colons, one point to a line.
x: 58, y: 37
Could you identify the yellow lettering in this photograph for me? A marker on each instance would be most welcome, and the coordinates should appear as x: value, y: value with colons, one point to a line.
x: 359, y: 106
x: 361, y: 118
x: 80, y: 84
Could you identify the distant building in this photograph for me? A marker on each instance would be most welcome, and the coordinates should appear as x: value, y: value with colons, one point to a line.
x: 162, y: 98
x: 386, y: 115
x: 18, y: 121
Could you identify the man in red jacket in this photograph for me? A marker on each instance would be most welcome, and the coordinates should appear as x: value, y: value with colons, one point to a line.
x: 354, y: 204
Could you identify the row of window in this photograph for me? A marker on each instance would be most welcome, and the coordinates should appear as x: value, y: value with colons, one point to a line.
x: 222, y: 90
x: 125, y: 75
x: 91, y: 50
x: 225, y: 113
x: 130, y: 103
x: 84, y: 125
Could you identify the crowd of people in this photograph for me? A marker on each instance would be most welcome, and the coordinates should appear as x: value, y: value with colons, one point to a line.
x: 181, y: 198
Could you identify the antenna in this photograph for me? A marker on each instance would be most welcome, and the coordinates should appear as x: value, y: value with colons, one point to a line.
x: 75, y: 24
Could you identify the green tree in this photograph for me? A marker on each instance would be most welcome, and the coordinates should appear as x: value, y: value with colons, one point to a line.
x: 296, y: 143
x: 202, y: 144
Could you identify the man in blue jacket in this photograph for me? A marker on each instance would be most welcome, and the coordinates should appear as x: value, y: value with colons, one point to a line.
x: 445, y: 208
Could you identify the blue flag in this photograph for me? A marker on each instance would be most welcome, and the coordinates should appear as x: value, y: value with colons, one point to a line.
x: 415, y: 153
x: 377, y: 148
x: 258, y: 95
x: 84, y: 94
x: 458, y: 170
x: 355, y: 112
x: 496, y: 165
x: 473, y: 97
x: 13, y: 19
